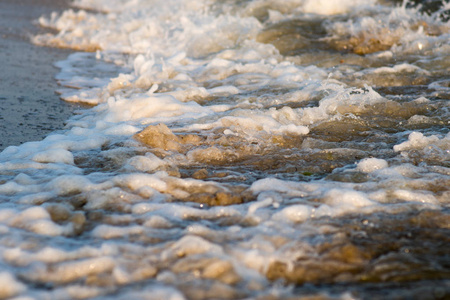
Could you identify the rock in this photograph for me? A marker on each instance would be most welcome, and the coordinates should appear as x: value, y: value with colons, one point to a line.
x: 200, y: 174
x: 159, y: 136
x: 215, y: 199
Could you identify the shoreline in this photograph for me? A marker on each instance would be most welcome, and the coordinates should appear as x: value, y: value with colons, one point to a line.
x: 30, y: 109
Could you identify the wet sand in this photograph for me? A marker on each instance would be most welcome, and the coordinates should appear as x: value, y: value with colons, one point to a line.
x: 29, y: 107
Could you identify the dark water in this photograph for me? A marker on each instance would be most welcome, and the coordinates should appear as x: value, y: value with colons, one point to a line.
x: 239, y: 150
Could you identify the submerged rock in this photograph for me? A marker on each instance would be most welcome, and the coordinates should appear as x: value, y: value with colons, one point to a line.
x: 159, y: 136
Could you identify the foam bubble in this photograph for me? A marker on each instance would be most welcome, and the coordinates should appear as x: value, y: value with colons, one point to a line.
x: 220, y: 154
x: 352, y: 199
x: 54, y: 156
x: 294, y: 213
x: 69, y: 271
x: 190, y: 245
x: 406, y: 195
x: 10, y: 286
x: 369, y: 165
x: 332, y: 7
x: 147, y: 163
x: 110, y: 232
x: 416, y: 140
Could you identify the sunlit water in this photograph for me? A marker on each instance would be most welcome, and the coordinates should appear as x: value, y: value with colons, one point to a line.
x: 238, y: 150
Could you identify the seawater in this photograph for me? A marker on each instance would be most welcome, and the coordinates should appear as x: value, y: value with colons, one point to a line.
x: 238, y: 149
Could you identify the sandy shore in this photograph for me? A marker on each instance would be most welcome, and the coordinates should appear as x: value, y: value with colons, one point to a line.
x: 29, y: 107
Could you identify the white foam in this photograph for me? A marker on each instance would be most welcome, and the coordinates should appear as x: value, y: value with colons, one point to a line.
x: 69, y: 184
x: 198, y: 67
x: 189, y: 245
x: 147, y: 163
x: 159, y: 107
x: 294, y: 213
x: 158, y: 222
x: 395, y: 27
x: 369, y: 165
x: 51, y: 255
x: 137, y: 181
x: 10, y: 286
x: 326, y: 7
x: 69, y: 271
x: 338, y: 197
x: 110, y: 232
x: 272, y: 184
x: 400, y: 69
x: 54, y: 156
x: 154, y: 293
x: 406, y: 195
x: 417, y: 140
x: 81, y: 292
x: 37, y: 219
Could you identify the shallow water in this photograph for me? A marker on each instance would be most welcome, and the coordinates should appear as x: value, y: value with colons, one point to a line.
x: 238, y: 150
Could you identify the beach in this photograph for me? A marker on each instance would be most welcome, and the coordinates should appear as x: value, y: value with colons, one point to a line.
x: 30, y: 109
x: 240, y: 149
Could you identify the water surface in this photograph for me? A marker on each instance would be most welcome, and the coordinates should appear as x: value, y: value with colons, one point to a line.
x: 238, y: 150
